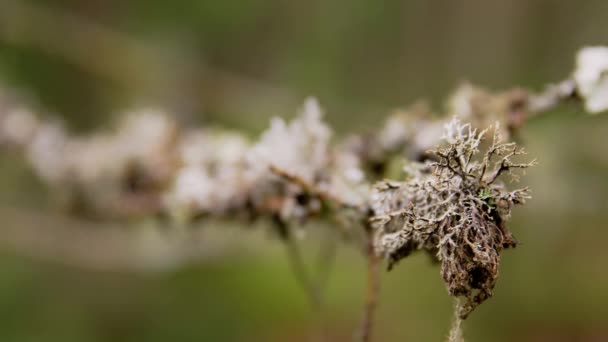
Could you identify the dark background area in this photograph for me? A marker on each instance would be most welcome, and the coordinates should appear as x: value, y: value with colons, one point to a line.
x: 238, y: 63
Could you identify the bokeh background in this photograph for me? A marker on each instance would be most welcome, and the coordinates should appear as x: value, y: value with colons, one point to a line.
x: 238, y: 63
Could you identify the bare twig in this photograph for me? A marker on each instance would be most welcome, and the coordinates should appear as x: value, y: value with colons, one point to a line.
x: 311, y: 189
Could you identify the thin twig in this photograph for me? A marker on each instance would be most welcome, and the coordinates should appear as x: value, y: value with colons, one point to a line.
x: 301, y: 273
x: 324, y: 265
x: 372, y: 290
x: 325, y: 260
x: 455, y: 334
x: 312, y: 189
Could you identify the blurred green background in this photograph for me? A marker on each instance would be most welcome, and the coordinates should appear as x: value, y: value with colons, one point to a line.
x: 238, y: 63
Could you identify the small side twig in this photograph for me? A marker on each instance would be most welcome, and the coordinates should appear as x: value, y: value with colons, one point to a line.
x: 325, y: 261
x: 372, y: 290
x: 301, y: 273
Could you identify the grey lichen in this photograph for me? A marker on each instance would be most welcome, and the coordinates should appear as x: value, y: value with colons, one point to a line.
x: 455, y: 208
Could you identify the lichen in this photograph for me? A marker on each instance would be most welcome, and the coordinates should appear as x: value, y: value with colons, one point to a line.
x: 455, y: 208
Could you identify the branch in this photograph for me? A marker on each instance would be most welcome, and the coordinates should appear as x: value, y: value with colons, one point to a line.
x: 182, y: 172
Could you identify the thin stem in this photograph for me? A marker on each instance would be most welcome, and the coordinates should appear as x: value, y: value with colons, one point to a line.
x: 455, y: 334
x: 325, y: 261
x: 373, y: 287
x: 301, y: 273
x: 312, y: 288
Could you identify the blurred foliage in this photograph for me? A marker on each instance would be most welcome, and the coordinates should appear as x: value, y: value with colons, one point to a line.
x: 237, y: 63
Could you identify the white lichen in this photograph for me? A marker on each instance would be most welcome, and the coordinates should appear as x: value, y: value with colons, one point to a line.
x: 591, y: 77
x: 18, y: 126
x: 300, y: 148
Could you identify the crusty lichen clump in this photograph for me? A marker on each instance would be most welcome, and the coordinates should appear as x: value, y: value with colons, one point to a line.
x: 455, y: 208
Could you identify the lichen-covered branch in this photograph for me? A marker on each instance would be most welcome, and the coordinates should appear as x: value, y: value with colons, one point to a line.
x: 452, y: 202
